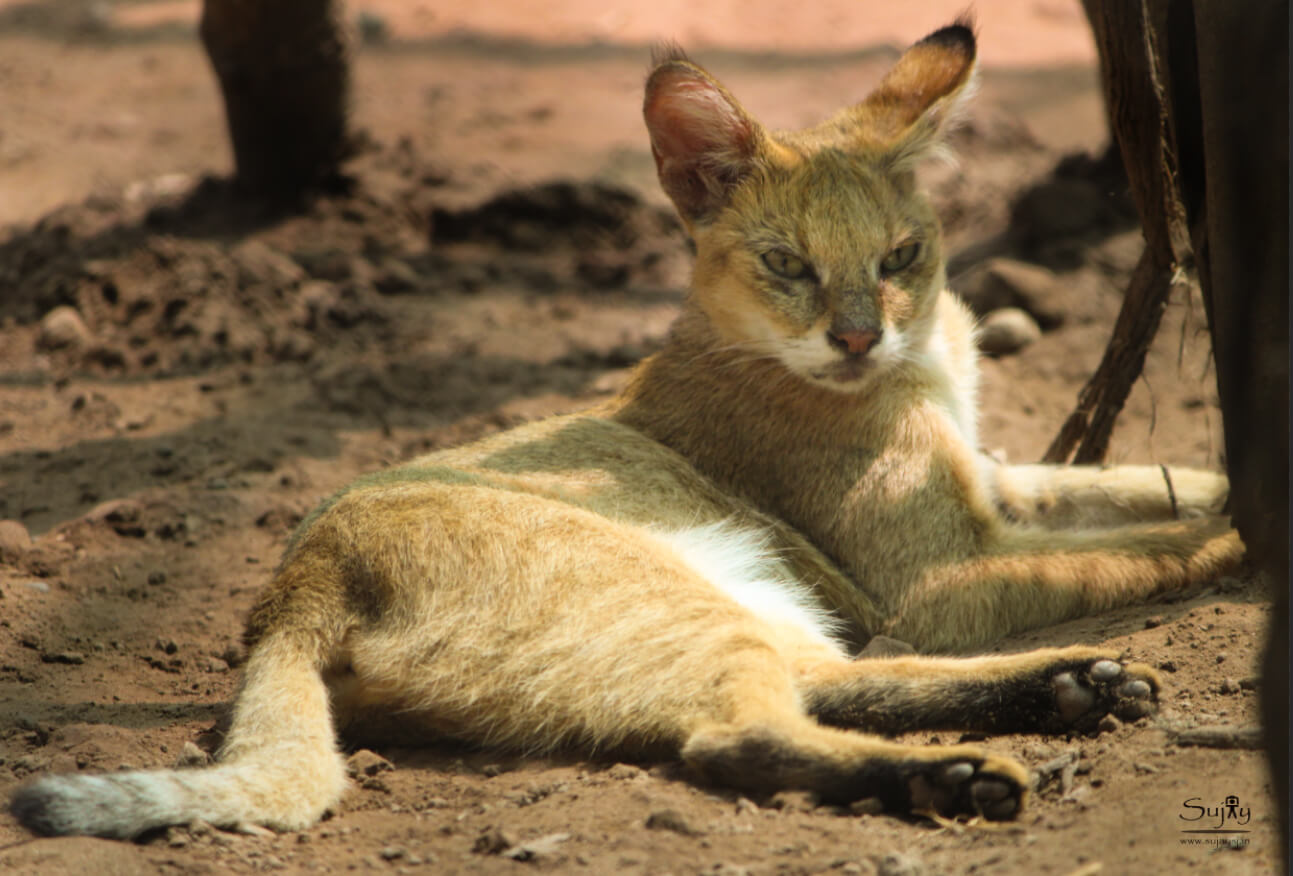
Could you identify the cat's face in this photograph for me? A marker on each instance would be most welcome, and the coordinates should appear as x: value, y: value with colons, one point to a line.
x: 825, y: 260
x: 813, y: 247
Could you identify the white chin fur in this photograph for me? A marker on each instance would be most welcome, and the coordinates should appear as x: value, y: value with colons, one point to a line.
x: 814, y: 359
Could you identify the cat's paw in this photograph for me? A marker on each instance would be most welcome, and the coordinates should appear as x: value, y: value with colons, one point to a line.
x: 1086, y: 692
x: 989, y: 786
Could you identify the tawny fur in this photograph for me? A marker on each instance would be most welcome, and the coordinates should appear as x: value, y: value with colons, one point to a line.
x: 685, y: 569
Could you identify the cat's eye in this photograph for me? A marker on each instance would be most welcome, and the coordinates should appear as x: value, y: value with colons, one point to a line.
x: 785, y: 265
x: 900, y: 258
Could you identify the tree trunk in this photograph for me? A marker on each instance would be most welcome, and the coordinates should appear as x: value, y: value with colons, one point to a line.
x: 1217, y: 72
x: 284, y: 71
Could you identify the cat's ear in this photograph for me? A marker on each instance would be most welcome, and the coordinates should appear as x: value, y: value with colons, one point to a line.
x: 923, y: 97
x: 704, y: 143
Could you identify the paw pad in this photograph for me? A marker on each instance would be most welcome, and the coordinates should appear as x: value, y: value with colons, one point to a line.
x: 1084, y: 695
x: 965, y: 788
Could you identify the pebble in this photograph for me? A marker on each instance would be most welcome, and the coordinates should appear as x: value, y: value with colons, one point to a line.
x: 536, y: 849
x: 794, y: 801
x: 69, y: 658
x: 867, y: 806
x: 670, y: 819
x: 625, y: 772
x: 62, y: 327
x: 897, y: 864
x: 192, y: 756
x: 1003, y: 282
x: 15, y: 540
x: 493, y: 841
x: 367, y: 763
x: 1007, y: 330
x: 1108, y: 724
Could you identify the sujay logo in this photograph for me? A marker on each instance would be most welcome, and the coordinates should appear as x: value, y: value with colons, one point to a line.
x: 1226, y: 817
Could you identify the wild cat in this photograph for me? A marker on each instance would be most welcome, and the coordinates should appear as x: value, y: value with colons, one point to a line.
x: 685, y: 570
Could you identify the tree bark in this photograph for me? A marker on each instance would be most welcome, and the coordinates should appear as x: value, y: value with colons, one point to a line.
x: 1131, y: 74
x: 1212, y: 75
x: 284, y: 71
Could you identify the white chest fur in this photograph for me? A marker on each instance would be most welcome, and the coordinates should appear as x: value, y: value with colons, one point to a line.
x: 741, y: 564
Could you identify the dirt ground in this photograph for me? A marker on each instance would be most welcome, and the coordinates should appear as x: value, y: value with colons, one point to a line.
x: 183, y: 376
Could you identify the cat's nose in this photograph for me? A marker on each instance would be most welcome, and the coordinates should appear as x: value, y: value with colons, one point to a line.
x: 857, y: 342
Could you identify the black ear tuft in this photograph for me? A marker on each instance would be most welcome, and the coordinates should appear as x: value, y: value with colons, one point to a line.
x: 667, y: 52
x: 957, y: 36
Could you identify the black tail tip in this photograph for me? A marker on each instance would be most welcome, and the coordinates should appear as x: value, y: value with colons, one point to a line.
x: 30, y: 806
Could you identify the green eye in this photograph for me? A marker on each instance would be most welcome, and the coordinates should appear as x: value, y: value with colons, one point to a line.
x: 783, y: 264
x: 900, y: 258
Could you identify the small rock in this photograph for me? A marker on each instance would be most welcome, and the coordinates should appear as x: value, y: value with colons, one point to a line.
x: 897, y: 864
x: 14, y: 540
x: 1167, y: 665
x: 1029, y: 287
x: 192, y: 756
x: 63, y: 327
x: 670, y: 819
x: 794, y: 801
x: 884, y: 646
x: 246, y: 828
x: 867, y: 806
x: 625, y: 772
x: 316, y: 298
x: 69, y: 658
x: 392, y: 853
x: 746, y: 806
x: 395, y: 277
x: 1155, y: 621
x: 493, y: 841
x: 166, y: 646
x: 726, y: 869
x: 535, y: 849
x: 1007, y: 330
x: 367, y: 763
x: 1229, y: 686
x: 258, y: 262
x: 215, y: 664
x: 1108, y: 724
x: 116, y: 511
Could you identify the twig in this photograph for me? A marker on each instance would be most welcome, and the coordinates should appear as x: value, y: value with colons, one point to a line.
x: 1218, y: 736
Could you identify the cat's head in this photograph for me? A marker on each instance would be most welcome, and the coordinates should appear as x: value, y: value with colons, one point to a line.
x: 813, y: 246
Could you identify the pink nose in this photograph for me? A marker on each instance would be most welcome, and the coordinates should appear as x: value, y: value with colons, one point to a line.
x: 858, y: 341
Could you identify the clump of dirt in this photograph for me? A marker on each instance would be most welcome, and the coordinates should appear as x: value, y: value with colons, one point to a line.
x: 190, y: 283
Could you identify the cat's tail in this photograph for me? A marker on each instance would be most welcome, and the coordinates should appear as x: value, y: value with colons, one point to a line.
x: 279, y: 766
